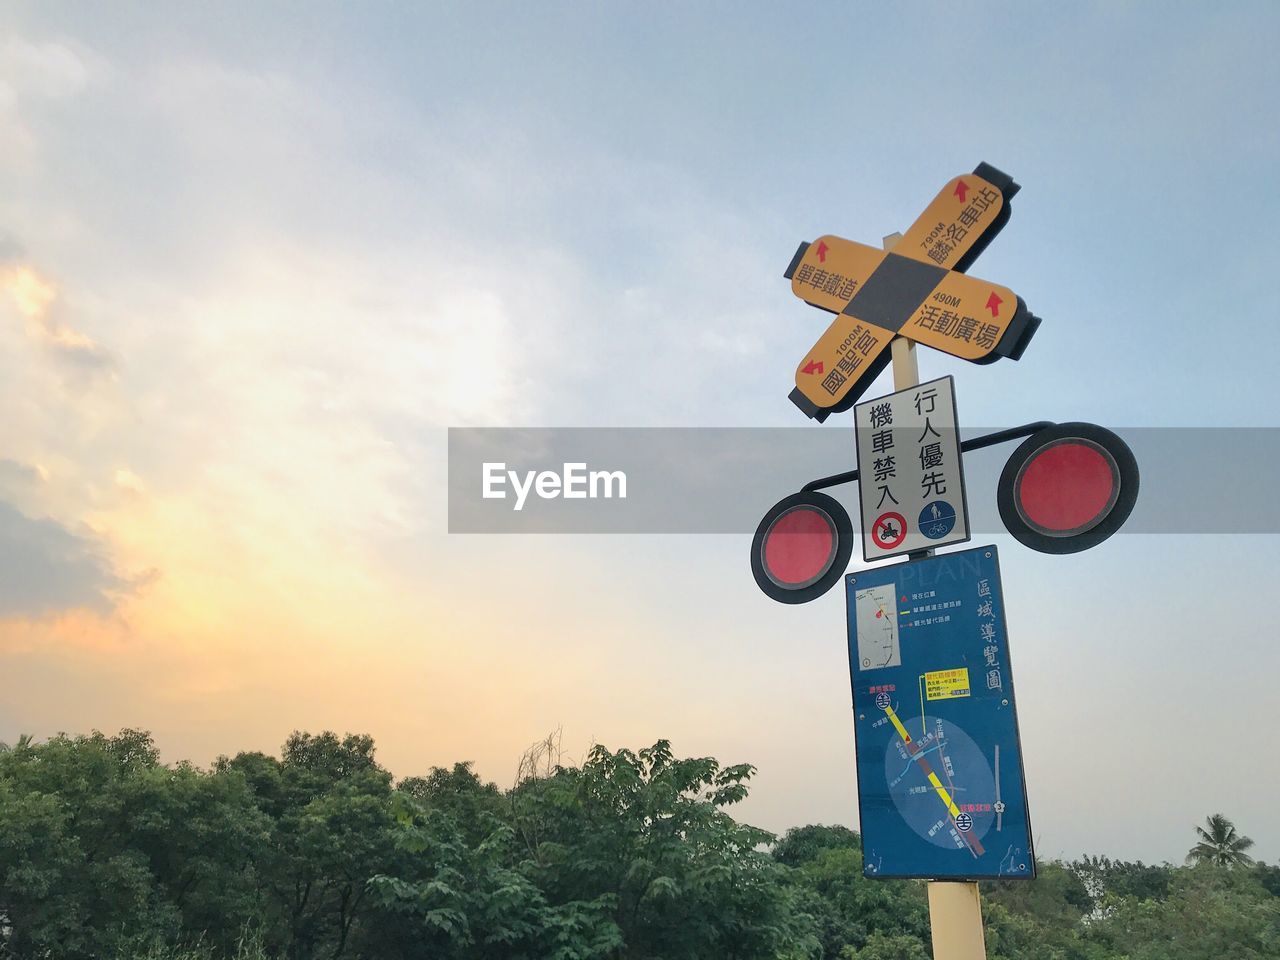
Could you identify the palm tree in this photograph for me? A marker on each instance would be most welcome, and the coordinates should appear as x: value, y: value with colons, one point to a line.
x: 1220, y: 844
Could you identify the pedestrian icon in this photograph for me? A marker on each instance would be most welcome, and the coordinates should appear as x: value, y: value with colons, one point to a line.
x: 937, y: 519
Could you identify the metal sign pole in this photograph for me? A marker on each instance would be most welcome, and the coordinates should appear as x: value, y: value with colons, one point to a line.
x: 955, y: 919
x: 955, y: 911
x: 906, y: 368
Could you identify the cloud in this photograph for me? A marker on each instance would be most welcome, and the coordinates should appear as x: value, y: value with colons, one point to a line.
x: 48, y: 70
x: 128, y: 482
x: 34, y: 296
x: 21, y: 483
x: 47, y: 569
x: 34, y: 73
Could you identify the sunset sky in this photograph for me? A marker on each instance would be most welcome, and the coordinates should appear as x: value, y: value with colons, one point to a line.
x: 255, y: 260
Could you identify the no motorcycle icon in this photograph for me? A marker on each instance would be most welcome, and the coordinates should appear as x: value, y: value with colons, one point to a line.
x: 890, y: 529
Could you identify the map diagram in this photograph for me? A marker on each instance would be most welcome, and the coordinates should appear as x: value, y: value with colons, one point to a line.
x: 931, y: 775
x: 940, y: 785
x: 877, y: 612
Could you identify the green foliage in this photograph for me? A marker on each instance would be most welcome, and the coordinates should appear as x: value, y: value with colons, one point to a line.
x: 1211, y: 912
x: 881, y: 947
x: 1058, y: 897
x: 245, y: 947
x: 1105, y: 879
x: 1269, y: 877
x: 649, y: 832
x: 471, y: 804
x: 848, y: 910
x: 801, y: 845
x: 73, y: 883
x: 107, y: 853
x: 1220, y: 844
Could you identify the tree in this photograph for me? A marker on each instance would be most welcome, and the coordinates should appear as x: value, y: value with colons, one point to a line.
x: 1106, y: 879
x: 1058, y: 893
x: 24, y: 742
x: 801, y: 845
x: 647, y: 834
x: 1042, y: 919
x: 200, y: 836
x: 1220, y: 844
x: 453, y: 900
x: 880, y: 947
x: 473, y: 805
x: 1269, y: 877
x: 848, y: 911
x: 632, y: 855
x: 75, y: 880
x: 332, y: 828
x: 1211, y: 913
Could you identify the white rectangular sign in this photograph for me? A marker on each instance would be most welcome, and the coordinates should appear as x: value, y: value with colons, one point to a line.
x: 910, y: 476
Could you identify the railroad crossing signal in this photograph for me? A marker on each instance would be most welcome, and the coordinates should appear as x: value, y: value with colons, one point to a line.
x: 1067, y: 488
x: 919, y: 290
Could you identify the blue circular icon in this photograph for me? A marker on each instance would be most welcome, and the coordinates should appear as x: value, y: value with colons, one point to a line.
x: 937, y: 519
x: 882, y: 700
x: 964, y: 822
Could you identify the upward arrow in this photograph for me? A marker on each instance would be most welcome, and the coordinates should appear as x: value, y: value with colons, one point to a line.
x: 962, y: 188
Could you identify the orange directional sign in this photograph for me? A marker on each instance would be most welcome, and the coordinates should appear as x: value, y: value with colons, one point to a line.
x: 918, y: 291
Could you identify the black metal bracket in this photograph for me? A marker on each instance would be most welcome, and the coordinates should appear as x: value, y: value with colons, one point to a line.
x: 974, y: 443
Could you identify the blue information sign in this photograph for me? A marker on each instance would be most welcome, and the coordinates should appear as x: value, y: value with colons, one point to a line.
x: 940, y: 785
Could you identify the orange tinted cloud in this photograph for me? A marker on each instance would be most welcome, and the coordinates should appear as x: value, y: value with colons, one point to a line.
x: 34, y: 297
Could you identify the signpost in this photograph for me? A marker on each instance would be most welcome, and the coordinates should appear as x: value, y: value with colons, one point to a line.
x: 955, y: 909
x: 909, y: 452
x: 918, y: 290
x: 940, y: 788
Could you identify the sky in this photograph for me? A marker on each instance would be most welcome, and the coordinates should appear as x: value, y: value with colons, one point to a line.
x: 256, y: 260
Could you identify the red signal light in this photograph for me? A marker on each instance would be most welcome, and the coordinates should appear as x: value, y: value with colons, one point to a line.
x: 801, y: 547
x: 1067, y: 488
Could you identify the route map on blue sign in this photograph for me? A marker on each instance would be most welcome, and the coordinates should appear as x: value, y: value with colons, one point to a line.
x: 940, y: 784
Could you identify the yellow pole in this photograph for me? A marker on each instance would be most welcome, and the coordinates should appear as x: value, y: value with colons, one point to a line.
x: 955, y: 912
x: 955, y: 919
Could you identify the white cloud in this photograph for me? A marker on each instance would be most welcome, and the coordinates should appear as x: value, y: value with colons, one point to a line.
x: 34, y: 297
x: 50, y: 70
x: 33, y: 74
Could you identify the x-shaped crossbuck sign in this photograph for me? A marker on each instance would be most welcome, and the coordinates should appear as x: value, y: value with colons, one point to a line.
x: 919, y: 290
